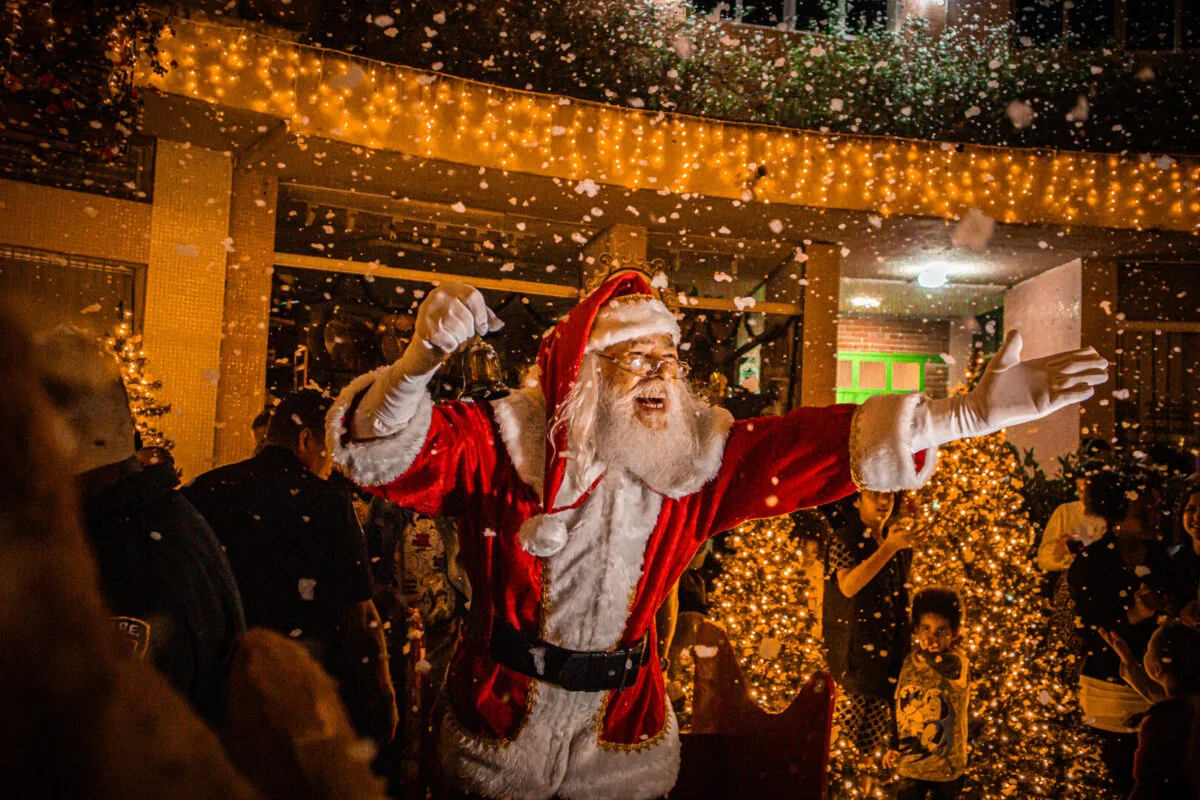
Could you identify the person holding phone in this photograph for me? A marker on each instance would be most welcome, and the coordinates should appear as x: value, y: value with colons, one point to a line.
x: 865, y: 621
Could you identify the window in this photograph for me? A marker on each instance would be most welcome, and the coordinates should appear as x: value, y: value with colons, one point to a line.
x: 861, y: 375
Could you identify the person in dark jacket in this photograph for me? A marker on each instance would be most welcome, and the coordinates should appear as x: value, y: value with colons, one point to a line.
x: 1120, y: 584
x: 300, y: 558
x: 865, y: 615
x: 162, y: 573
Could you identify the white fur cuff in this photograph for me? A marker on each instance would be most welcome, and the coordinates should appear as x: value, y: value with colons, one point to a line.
x: 882, y: 439
x: 381, y: 460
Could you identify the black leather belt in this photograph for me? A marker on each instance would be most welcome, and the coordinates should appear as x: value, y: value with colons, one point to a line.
x: 573, y: 670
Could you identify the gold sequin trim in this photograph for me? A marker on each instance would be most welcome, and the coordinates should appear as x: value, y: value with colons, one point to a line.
x: 620, y: 747
x: 496, y: 742
x: 855, y: 451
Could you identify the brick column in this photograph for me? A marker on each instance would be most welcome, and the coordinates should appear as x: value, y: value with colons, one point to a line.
x: 241, y: 392
x: 185, y: 293
x: 818, y: 381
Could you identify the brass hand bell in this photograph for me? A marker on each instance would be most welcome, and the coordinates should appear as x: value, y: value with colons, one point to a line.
x: 483, y: 375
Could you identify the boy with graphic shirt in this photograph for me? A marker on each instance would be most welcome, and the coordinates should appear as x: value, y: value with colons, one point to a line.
x: 931, y: 702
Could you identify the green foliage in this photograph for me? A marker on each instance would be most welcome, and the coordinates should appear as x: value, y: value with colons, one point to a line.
x: 69, y: 72
x: 967, y: 85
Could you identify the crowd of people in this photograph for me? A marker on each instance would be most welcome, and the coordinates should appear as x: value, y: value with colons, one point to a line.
x: 282, y: 602
x: 1124, y: 577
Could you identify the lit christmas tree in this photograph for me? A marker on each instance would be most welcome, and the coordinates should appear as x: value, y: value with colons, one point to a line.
x: 1025, y: 732
x: 126, y: 347
x: 763, y: 599
x: 1026, y: 736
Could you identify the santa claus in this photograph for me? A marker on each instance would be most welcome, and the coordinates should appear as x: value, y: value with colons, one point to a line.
x: 582, y: 498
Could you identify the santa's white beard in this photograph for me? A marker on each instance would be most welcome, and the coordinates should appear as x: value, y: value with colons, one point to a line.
x: 604, y: 429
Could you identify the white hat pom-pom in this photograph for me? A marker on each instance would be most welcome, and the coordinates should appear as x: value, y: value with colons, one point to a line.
x: 543, y: 535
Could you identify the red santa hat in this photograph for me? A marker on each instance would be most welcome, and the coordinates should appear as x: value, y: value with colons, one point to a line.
x: 622, y: 308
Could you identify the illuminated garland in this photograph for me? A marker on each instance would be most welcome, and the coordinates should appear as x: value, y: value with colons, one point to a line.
x: 333, y: 95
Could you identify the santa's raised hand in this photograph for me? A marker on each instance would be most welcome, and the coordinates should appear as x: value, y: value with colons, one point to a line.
x: 452, y: 314
x: 1013, y: 391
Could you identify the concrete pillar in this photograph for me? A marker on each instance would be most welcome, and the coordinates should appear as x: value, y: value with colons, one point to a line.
x: 1047, y: 311
x: 241, y: 393
x: 185, y: 293
x: 626, y: 243
x: 818, y: 363
x: 1098, y: 316
x: 961, y: 349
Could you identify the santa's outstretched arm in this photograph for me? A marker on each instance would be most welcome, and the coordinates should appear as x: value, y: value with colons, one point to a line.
x: 1011, y: 392
x: 811, y: 456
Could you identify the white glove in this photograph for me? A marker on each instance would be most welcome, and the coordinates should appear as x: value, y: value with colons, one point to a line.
x: 452, y: 314
x: 1012, y: 391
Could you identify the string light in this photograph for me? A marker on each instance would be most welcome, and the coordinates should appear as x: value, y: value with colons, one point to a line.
x: 378, y: 105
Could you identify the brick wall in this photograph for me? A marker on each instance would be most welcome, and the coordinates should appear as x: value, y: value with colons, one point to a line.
x: 902, y: 336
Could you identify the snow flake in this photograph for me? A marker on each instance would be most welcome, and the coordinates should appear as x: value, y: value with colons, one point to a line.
x: 460, y: 207
x: 91, y: 212
x: 587, y: 186
x: 776, y: 226
x: 1164, y: 162
x: 817, y: 51
x: 770, y: 648
x: 704, y: 651
x: 350, y: 79
x: 305, y: 587
x: 744, y: 303
x: 384, y: 21
x: 835, y: 104
x: 156, y: 536
x: 659, y: 281
x: 1080, y: 111
x: 92, y: 309
x: 440, y: 18
x: 1020, y: 114
x: 187, y: 250
x: 539, y: 659
x: 974, y: 231
x: 720, y: 277
x: 973, y: 111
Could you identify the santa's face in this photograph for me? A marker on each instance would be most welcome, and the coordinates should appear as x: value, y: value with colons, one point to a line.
x: 641, y: 369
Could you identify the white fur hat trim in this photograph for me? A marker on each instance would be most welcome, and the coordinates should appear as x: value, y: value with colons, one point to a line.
x: 631, y: 317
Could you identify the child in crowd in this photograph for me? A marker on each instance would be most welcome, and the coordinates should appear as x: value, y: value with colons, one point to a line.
x: 931, y: 702
x: 1161, y: 764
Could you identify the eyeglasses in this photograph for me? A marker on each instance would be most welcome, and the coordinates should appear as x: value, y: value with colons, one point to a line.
x: 644, y: 367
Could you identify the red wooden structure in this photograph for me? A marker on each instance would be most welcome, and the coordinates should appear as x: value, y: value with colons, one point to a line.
x: 737, y: 751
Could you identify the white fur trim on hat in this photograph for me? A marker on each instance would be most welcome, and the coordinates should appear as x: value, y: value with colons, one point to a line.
x: 631, y: 317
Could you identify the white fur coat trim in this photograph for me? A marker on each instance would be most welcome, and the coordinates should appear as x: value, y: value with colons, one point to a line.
x: 881, y: 443
x: 381, y: 460
x: 592, y: 579
x: 557, y: 754
x: 521, y: 418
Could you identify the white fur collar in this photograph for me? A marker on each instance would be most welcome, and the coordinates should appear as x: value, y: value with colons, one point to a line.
x: 521, y: 417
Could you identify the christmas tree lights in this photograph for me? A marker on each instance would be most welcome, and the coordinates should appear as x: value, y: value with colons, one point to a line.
x: 1027, y: 739
x: 126, y: 347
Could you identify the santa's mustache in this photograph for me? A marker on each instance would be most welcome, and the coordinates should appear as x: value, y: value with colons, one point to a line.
x: 650, y: 388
